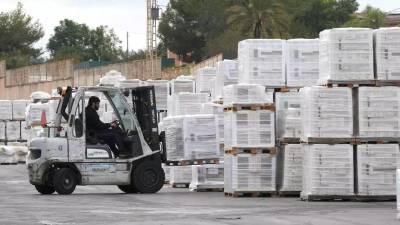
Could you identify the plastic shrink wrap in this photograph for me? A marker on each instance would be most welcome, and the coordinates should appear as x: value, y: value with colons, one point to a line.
x: 227, y: 74
x: 290, y: 161
x: 182, y: 85
x: 13, y: 131
x: 387, y: 53
x: 376, y: 168
x: 161, y: 88
x: 18, y: 109
x: 180, y: 175
x: 205, y: 79
x: 328, y: 170
x: 207, y: 176
x: 302, y: 62
x: 379, y: 111
x: 262, y: 61
x: 326, y: 112
x: 288, y: 116
x: 346, y: 54
x: 247, y: 128
x: 249, y: 172
x: 5, y: 110
x: 246, y: 94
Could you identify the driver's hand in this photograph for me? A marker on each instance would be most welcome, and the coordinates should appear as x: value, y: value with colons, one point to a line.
x: 114, y: 125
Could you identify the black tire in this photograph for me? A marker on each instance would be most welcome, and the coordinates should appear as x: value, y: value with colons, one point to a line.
x: 64, y: 181
x: 148, y: 177
x: 129, y: 189
x: 45, y: 189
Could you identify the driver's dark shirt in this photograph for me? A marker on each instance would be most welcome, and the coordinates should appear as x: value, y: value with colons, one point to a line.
x: 93, y: 121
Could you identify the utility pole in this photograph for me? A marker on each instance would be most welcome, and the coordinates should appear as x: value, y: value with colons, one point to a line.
x: 127, y: 44
x: 152, y: 18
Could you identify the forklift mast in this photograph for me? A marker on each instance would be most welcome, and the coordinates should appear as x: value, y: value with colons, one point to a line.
x: 144, y: 106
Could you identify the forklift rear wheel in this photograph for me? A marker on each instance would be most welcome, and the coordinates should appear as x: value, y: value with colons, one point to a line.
x: 129, y: 189
x: 45, y: 189
x: 64, y: 181
x: 149, y: 177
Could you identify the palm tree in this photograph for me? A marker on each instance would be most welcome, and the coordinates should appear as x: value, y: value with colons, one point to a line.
x: 264, y: 18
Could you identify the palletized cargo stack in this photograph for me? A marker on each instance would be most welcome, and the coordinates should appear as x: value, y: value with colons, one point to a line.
x: 12, y: 121
x: 249, y: 129
x: 209, y: 177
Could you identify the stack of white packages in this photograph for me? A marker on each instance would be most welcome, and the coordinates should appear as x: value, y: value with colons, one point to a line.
x: 379, y: 111
x: 18, y: 109
x: 112, y: 78
x: 13, y: 130
x: 205, y: 79
x: 249, y: 172
x: 200, y: 135
x: 346, y: 54
x: 328, y: 170
x: 130, y: 83
x: 173, y: 127
x: 187, y: 103
x: 182, y: 85
x: 288, y: 117
x: 180, y: 175
x: 2, y: 130
x: 34, y: 113
x: 398, y: 192
x: 376, y: 169
x: 247, y: 128
x: 326, y: 112
x: 246, y: 94
x: 291, y: 161
x: 387, y: 53
x: 161, y: 88
x: 302, y: 62
x: 208, y: 176
x: 227, y: 74
x: 24, y: 131
x: 5, y: 110
x: 262, y: 61
x: 218, y: 111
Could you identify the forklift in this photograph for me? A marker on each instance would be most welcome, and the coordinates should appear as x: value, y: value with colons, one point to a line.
x: 70, y: 155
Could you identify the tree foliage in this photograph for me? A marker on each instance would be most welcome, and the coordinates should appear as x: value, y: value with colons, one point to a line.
x: 78, y: 41
x: 370, y: 17
x: 18, y: 34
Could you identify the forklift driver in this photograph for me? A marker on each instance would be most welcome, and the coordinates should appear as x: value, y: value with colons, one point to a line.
x: 102, y: 130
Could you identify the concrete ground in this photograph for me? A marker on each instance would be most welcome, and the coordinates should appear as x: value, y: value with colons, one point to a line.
x: 21, y: 204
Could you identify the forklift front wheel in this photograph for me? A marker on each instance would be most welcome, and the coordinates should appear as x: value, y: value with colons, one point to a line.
x: 64, y: 181
x: 45, y: 189
x: 149, y: 177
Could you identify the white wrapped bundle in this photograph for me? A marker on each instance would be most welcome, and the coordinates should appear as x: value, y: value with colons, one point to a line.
x: 328, y: 170
x: 24, y: 131
x: 167, y: 172
x: 288, y: 114
x: 326, y: 112
x: 207, y: 177
x: 302, y: 62
x: 174, y: 137
x: 218, y: 111
x: 5, y: 110
x: 161, y: 88
x: 2, y: 130
x: 40, y: 96
x: 398, y: 192
x: 180, y: 175
x: 112, y: 78
x: 387, y: 53
x: 13, y: 130
x: 182, y: 85
x: 346, y: 54
x: 188, y: 103
x: 185, y: 77
x: 227, y: 74
x: 200, y: 135
x: 247, y: 128
x: 130, y: 83
x: 262, y: 62
x: 377, y: 169
x: 204, y: 77
x: 34, y: 113
x: 291, y: 159
x: 246, y: 94
x: 18, y: 109
x: 379, y: 111
x: 249, y: 172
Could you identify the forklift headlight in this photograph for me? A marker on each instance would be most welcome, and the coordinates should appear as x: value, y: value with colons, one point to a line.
x: 35, y: 153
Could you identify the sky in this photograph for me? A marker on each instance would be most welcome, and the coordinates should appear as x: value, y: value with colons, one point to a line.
x: 121, y: 15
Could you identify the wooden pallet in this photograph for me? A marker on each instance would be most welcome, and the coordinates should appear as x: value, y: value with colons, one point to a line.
x: 353, y: 141
x: 235, y: 151
x: 348, y: 83
x: 6, y: 163
x: 207, y: 190
x: 192, y: 162
x: 180, y: 185
x: 289, y: 194
x: 246, y: 194
x: 381, y: 83
x: 378, y: 140
x: 327, y: 198
x: 375, y: 198
x: 252, y: 107
x: 289, y: 140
